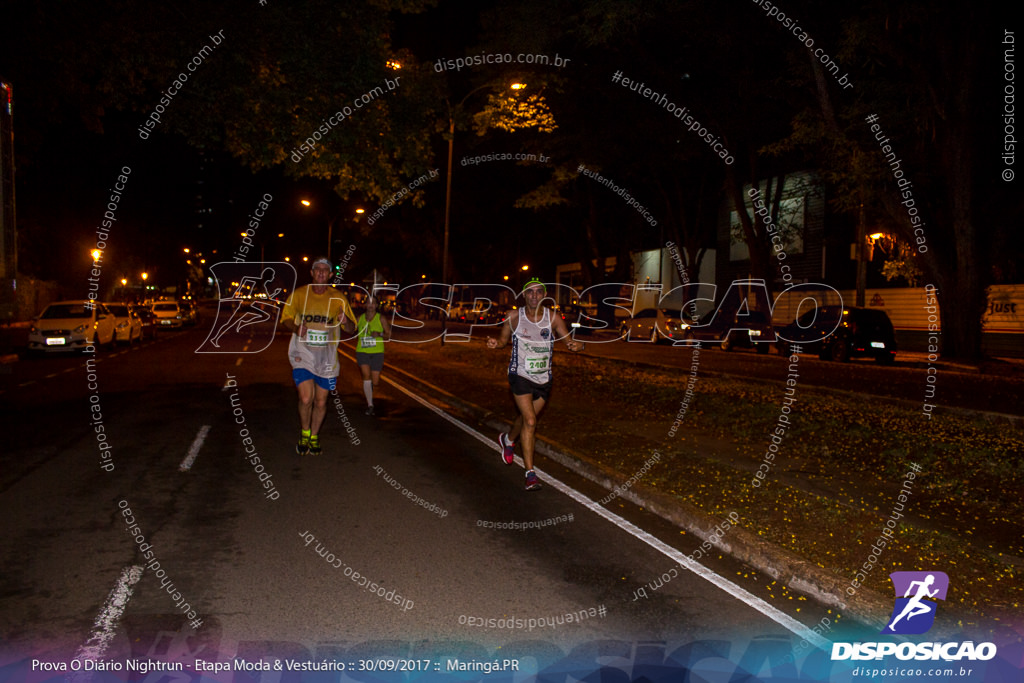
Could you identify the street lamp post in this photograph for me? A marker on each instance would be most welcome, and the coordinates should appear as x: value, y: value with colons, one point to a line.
x: 331, y: 220
x: 448, y: 194
x: 448, y: 177
x: 862, y: 266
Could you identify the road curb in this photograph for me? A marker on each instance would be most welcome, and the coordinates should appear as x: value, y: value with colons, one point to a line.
x: 866, y: 606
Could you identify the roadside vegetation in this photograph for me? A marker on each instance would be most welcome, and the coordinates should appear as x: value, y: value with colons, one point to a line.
x: 832, y: 485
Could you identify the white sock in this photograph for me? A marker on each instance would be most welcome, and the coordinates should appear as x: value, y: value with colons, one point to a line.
x: 368, y: 391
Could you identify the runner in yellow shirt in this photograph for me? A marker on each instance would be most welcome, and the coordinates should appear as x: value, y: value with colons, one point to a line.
x: 315, y: 314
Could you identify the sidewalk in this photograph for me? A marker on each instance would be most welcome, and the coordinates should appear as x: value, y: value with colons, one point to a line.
x: 13, y: 339
x: 810, y: 527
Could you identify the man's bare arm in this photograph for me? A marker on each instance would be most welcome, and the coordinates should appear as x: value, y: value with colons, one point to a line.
x: 506, y: 332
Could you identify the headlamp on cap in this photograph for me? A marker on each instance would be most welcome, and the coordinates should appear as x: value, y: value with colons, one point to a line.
x: 535, y: 281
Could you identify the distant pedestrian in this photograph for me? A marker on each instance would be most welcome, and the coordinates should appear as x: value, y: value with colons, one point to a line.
x: 532, y: 330
x: 373, y: 331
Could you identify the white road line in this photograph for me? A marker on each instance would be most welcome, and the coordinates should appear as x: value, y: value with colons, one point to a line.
x: 193, y: 450
x: 700, y: 570
x: 105, y: 624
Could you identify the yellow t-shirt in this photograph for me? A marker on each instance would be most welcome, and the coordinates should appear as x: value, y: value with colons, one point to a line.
x: 321, y: 313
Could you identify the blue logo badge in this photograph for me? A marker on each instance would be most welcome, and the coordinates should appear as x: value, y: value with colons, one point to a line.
x: 914, y: 611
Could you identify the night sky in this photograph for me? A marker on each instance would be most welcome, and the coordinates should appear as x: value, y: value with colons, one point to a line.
x: 85, y: 79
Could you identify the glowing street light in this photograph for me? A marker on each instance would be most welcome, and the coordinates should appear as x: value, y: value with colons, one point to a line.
x: 330, y: 225
x: 506, y: 112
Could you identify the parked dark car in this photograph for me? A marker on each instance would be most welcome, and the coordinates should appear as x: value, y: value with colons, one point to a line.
x: 149, y: 321
x: 189, y: 312
x: 855, y: 333
x: 742, y: 330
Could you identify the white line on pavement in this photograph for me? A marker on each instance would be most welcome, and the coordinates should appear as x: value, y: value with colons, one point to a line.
x: 193, y: 450
x: 700, y: 570
x: 106, y: 622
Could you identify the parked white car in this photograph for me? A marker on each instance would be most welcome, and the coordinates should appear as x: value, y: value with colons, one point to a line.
x: 127, y: 325
x: 168, y: 314
x: 71, y: 325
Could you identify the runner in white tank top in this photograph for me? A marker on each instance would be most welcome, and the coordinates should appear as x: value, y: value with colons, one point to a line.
x: 533, y: 330
x: 532, y: 348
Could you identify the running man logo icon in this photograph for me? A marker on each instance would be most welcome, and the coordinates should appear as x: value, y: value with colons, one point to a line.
x: 914, y: 612
x: 250, y: 298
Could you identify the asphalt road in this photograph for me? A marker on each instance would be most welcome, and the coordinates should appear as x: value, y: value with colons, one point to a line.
x: 279, y: 570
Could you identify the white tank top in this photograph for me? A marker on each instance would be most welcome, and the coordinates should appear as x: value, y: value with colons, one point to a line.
x: 532, y: 348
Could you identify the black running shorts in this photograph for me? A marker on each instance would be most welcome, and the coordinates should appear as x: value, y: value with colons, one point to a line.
x: 522, y: 386
x: 374, y: 360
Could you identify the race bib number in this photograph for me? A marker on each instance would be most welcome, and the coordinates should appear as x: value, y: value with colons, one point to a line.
x: 368, y: 342
x: 316, y: 337
x: 536, y: 365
